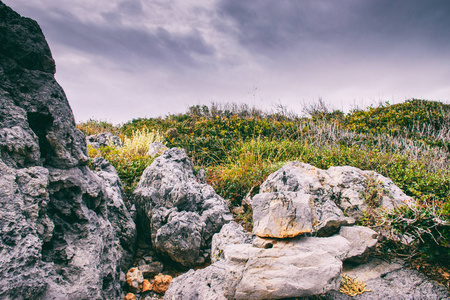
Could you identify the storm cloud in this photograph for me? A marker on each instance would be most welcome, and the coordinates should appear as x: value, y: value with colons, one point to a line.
x: 119, y: 60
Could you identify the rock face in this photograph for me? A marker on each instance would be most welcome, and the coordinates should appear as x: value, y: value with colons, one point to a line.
x: 56, y: 240
x: 176, y: 213
x: 118, y: 213
x: 317, y: 201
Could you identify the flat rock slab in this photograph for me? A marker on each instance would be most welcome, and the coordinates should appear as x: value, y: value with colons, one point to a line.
x: 255, y: 273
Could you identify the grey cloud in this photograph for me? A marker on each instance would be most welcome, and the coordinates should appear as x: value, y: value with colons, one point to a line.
x: 131, y: 7
x: 267, y: 27
x: 125, y: 46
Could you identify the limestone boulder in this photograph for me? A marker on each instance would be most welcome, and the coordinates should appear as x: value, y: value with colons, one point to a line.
x: 178, y: 214
x: 338, y: 196
x: 279, y: 272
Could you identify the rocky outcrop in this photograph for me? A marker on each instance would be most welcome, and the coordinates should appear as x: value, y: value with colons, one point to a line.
x: 103, y: 139
x: 282, y: 268
x: 56, y: 239
x: 176, y: 213
x: 318, y: 201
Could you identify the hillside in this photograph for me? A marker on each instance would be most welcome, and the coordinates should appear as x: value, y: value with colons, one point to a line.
x: 239, y: 147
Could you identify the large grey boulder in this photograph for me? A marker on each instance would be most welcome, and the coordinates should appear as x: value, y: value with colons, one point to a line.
x: 56, y: 240
x: 334, y: 194
x: 177, y: 213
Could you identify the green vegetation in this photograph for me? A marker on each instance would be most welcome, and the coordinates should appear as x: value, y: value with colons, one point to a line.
x: 240, y: 146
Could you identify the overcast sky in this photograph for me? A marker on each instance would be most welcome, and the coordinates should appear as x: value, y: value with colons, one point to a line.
x: 118, y: 60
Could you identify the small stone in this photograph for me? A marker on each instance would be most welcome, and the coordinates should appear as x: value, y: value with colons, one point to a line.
x: 146, y: 286
x: 161, y: 283
x: 141, y: 263
x: 134, y: 279
x: 130, y: 296
x: 151, y: 269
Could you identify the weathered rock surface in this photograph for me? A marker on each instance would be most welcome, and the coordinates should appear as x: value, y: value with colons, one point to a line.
x: 279, y: 272
x: 203, y: 284
x: 56, y: 240
x: 335, y: 193
x: 395, y: 281
x: 118, y: 214
x: 231, y: 233
x: 103, y: 139
x: 156, y: 148
x: 362, y: 240
x: 282, y: 215
x: 176, y: 212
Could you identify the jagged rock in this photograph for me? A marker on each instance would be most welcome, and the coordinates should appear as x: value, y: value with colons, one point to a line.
x: 231, y: 233
x: 334, y: 191
x: 103, y: 139
x: 161, y: 283
x: 176, y: 212
x: 56, y: 241
x: 207, y: 283
x: 282, y: 215
x: 156, y: 148
x: 118, y: 214
x: 134, y: 279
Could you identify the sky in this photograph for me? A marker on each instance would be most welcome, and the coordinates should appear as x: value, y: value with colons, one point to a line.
x: 124, y: 59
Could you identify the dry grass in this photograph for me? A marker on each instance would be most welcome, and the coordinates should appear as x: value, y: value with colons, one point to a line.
x: 139, y: 141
